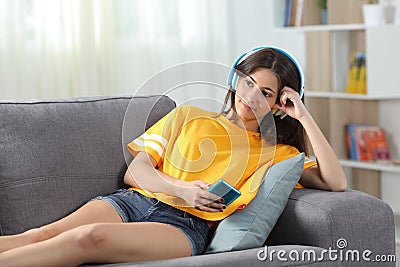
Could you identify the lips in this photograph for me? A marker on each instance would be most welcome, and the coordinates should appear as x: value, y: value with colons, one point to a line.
x: 245, y: 106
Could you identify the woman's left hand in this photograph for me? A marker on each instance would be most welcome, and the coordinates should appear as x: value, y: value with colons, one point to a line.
x: 291, y: 104
x: 328, y: 174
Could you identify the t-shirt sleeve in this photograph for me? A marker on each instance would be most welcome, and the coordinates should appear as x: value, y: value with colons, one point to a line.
x: 285, y: 151
x: 309, y: 163
x: 155, y: 140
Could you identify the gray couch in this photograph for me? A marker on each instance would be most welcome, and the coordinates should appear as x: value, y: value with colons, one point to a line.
x: 57, y: 154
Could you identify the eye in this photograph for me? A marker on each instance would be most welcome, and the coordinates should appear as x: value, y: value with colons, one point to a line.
x: 265, y: 93
x: 249, y: 83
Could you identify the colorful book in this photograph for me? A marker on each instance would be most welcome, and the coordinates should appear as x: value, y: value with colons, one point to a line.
x: 293, y: 13
x: 351, y: 74
x: 362, y: 79
x: 356, y: 78
x: 352, y: 148
x: 288, y: 12
x: 376, y: 143
x: 299, y: 13
x: 366, y: 143
x: 361, y: 146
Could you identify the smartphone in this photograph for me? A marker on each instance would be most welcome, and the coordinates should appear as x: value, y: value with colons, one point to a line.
x: 226, y: 191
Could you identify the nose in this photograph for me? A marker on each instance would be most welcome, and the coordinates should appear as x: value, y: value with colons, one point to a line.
x: 253, y: 96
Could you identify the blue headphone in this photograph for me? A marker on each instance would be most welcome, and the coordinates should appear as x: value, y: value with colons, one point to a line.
x: 233, y: 76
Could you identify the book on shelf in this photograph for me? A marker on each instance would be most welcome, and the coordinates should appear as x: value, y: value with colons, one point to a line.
x: 357, y: 77
x: 287, y: 13
x: 298, y: 21
x: 300, y: 12
x: 366, y: 143
x: 293, y: 13
x: 308, y: 12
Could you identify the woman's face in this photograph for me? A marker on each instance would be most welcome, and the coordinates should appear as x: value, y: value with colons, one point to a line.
x: 255, y: 94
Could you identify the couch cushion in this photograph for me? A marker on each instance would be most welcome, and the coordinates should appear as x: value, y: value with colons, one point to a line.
x: 57, y: 154
x: 250, y: 227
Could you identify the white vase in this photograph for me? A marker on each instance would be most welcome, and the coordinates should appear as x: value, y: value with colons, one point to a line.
x: 374, y: 14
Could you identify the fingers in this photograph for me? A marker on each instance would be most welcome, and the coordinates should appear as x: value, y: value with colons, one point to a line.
x: 290, y: 103
x: 211, y: 207
x: 209, y: 202
x: 289, y: 93
x: 198, y: 197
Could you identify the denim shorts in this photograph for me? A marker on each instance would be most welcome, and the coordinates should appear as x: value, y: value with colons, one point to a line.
x: 135, y: 207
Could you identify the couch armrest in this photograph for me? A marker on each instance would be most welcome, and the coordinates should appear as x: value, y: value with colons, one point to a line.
x: 320, y: 218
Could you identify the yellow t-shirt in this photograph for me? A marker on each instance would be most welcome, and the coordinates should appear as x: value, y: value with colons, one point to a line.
x: 193, y: 144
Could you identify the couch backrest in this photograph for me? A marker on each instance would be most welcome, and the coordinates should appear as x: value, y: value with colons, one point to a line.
x: 57, y: 154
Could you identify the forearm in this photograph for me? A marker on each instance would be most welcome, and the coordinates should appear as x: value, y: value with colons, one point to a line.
x: 148, y: 178
x: 142, y: 174
x: 330, y: 170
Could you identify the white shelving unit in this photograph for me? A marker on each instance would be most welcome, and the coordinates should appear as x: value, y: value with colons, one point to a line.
x: 339, y: 95
x: 384, y: 167
x: 383, y: 57
x: 314, y: 28
x: 326, y: 63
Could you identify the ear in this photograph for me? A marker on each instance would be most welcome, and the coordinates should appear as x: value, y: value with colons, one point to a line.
x: 276, y: 106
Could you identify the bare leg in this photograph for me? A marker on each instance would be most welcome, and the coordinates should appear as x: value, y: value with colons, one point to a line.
x: 92, y: 212
x: 103, y: 243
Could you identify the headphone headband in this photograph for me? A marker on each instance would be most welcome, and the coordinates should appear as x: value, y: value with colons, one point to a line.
x: 233, y: 77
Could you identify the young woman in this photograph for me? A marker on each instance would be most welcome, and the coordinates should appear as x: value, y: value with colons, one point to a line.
x: 168, y: 212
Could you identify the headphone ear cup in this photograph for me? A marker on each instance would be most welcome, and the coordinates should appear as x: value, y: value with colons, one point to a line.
x: 234, y: 81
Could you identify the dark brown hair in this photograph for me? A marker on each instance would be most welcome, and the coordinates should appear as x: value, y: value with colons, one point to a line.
x: 288, y: 130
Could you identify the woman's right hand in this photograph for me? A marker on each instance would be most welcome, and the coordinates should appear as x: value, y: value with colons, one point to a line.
x: 196, y: 195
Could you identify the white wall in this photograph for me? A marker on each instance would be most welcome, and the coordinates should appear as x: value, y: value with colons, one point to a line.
x: 250, y: 24
x: 253, y: 25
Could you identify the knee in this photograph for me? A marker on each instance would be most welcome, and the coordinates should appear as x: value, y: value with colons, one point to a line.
x: 89, y: 236
x: 40, y: 234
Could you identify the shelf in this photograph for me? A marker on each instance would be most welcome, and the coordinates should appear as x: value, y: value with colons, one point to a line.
x: 325, y: 52
x: 336, y: 27
x: 338, y: 95
x: 370, y: 166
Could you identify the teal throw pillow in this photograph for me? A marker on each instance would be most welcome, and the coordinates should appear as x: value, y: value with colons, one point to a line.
x: 250, y: 227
